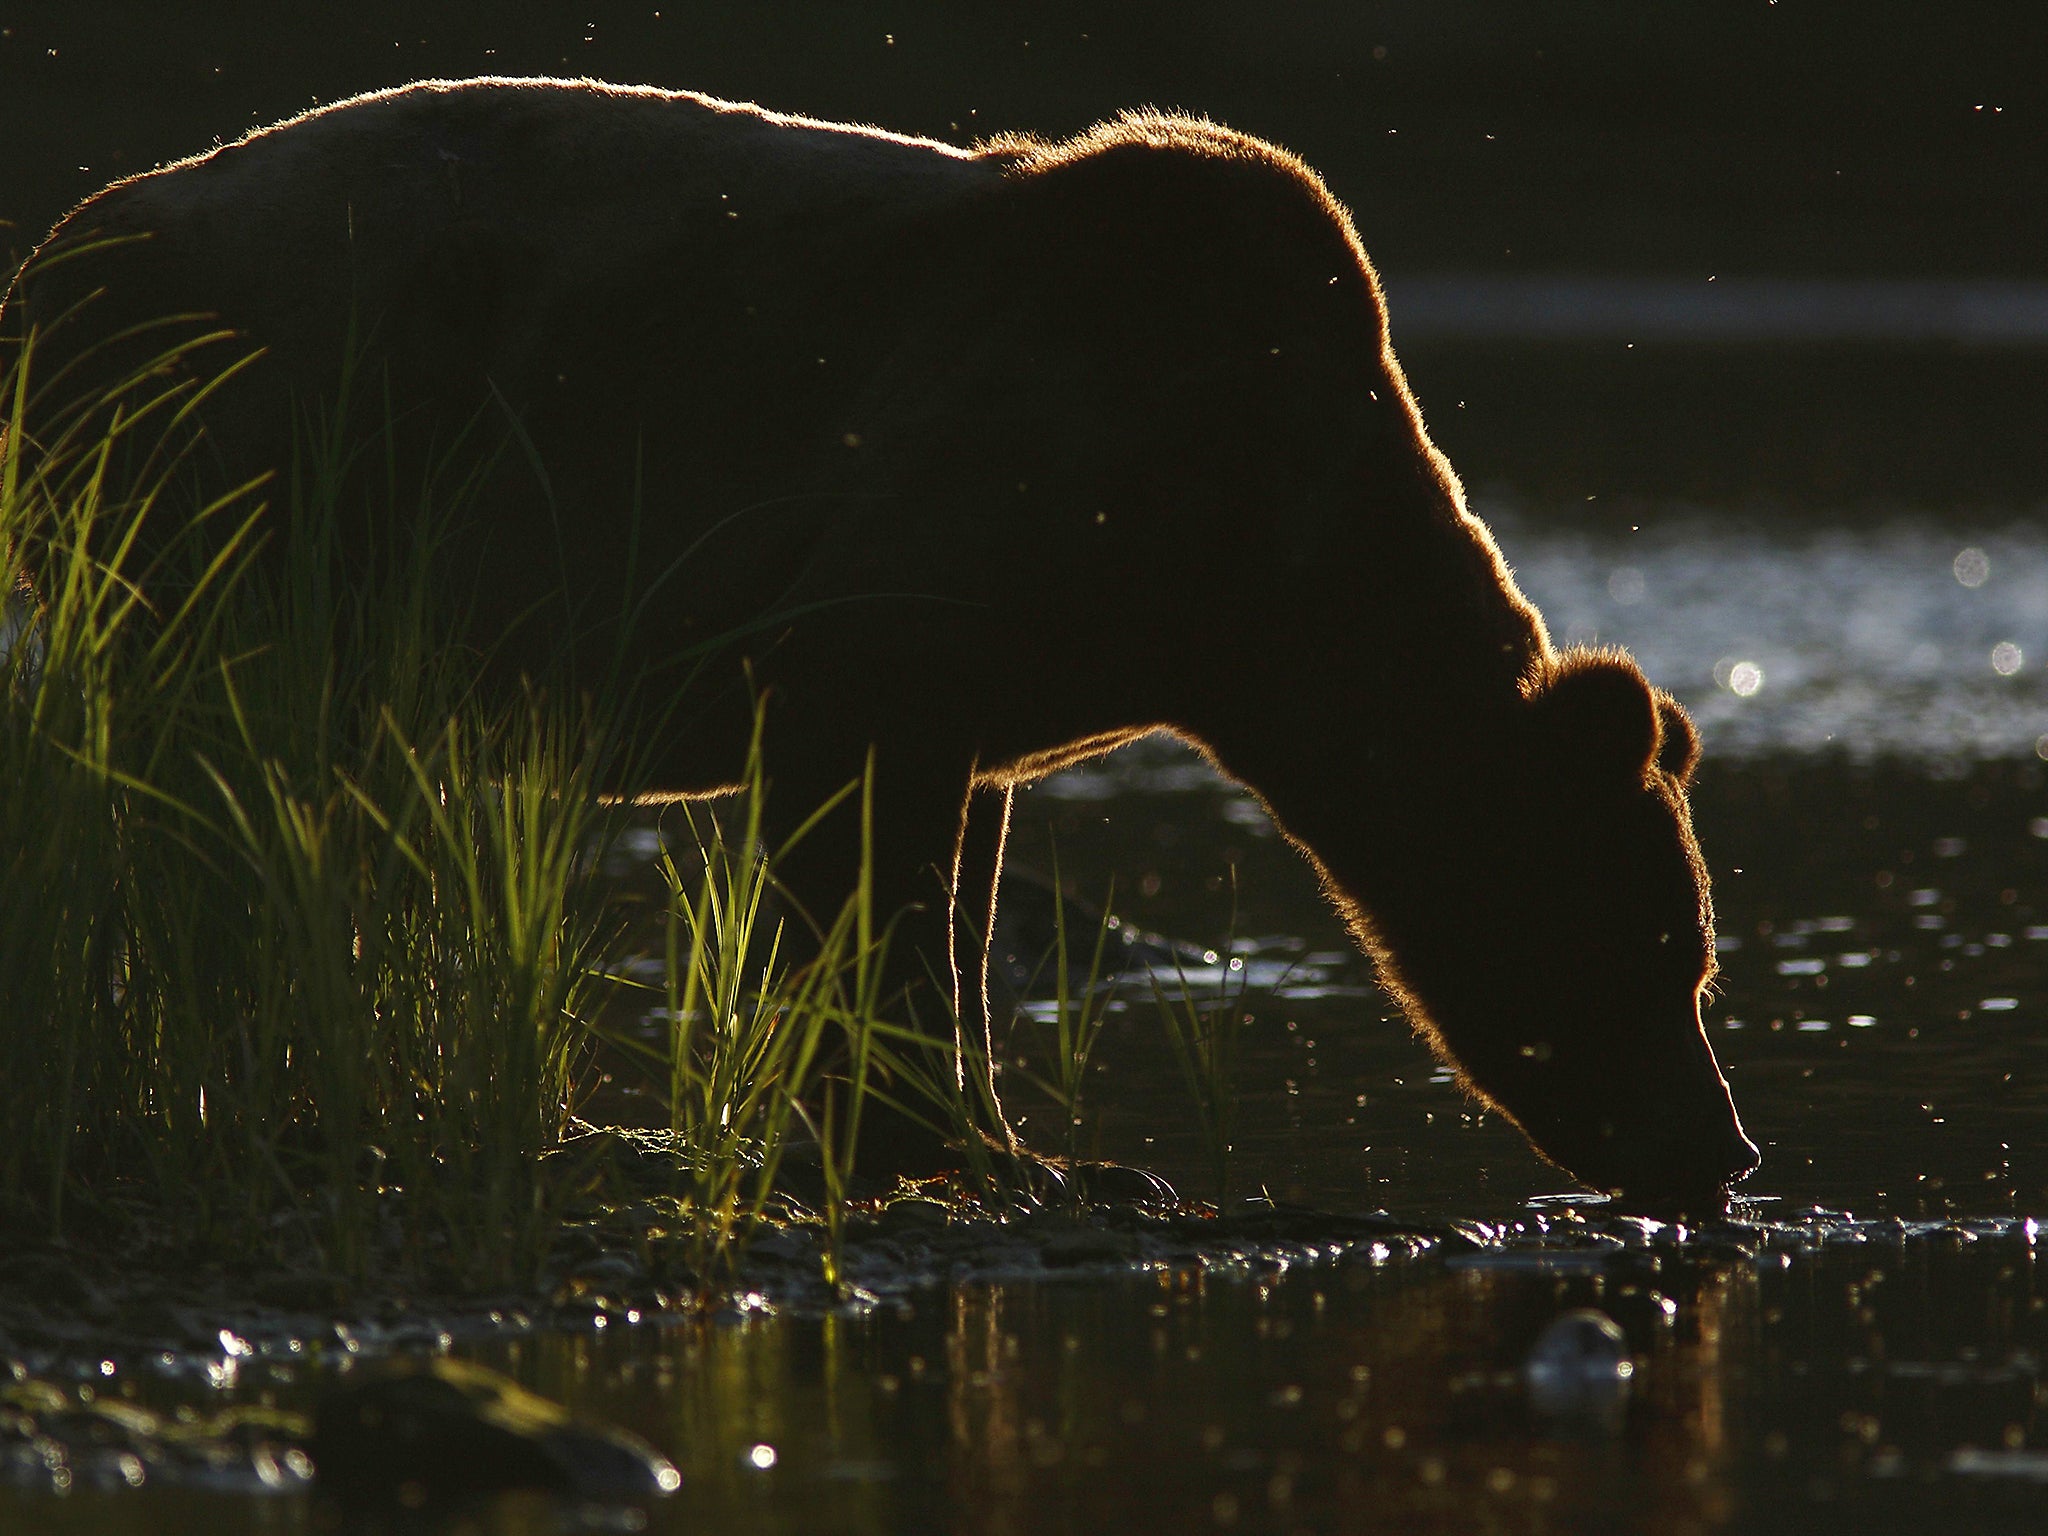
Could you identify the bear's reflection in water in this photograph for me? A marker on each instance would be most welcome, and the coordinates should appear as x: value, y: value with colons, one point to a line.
x: 1771, y: 1367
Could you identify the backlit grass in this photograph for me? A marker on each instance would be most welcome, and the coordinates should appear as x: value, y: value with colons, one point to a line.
x: 305, y: 945
x: 299, y: 929
x: 302, y: 937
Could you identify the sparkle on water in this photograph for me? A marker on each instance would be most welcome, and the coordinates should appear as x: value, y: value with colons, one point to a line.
x: 1538, y: 1362
x: 1885, y: 640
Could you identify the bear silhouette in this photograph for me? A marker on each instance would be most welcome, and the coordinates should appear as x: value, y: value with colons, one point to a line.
x: 988, y: 460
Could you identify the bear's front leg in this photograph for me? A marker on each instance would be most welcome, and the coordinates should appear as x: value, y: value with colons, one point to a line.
x: 970, y: 930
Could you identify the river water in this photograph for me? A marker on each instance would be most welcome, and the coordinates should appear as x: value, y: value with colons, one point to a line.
x: 1860, y: 1346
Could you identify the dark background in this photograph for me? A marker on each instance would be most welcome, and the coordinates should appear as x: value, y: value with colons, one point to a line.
x: 1753, y: 139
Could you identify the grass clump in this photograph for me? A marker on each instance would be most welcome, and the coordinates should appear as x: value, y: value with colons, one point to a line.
x: 306, y: 940
x: 305, y: 937
x: 299, y: 928
x: 1074, y: 1021
x: 762, y: 1053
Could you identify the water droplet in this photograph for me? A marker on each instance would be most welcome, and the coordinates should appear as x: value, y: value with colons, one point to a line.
x: 2006, y: 658
x: 1972, y: 567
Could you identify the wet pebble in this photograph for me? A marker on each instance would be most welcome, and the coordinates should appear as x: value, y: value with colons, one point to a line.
x: 613, y: 1267
x: 439, y: 1433
x: 61, y: 1440
x: 780, y: 1244
x: 913, y: 1215
x: 1579, y: 1366
x: 1065, y: 1249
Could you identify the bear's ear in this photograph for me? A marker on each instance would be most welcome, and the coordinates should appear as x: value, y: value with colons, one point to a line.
x: 1600, y: 714
x: 1678, y: 744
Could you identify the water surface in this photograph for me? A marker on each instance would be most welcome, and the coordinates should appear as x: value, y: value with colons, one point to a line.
x: 1860, y: 1347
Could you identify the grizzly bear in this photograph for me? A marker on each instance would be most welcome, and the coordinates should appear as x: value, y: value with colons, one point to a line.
x: 986, y: 460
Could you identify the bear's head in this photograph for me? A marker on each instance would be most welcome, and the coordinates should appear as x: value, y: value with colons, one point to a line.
x: 1571, y: 1002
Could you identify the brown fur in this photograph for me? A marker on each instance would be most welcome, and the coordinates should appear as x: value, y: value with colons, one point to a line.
x: 1033, y: 449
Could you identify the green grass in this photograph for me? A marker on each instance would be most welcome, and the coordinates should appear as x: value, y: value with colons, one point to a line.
x: 1074, y: 1025
x: 760, y: 1050
x: 306, y: 948
x: 298, y: 928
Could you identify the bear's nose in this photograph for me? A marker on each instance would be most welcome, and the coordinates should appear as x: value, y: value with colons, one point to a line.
x: 1714, y: 1151
x: 1691, y: 1161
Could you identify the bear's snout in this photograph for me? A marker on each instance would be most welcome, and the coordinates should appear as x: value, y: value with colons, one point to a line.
x: 1685, y: 1155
